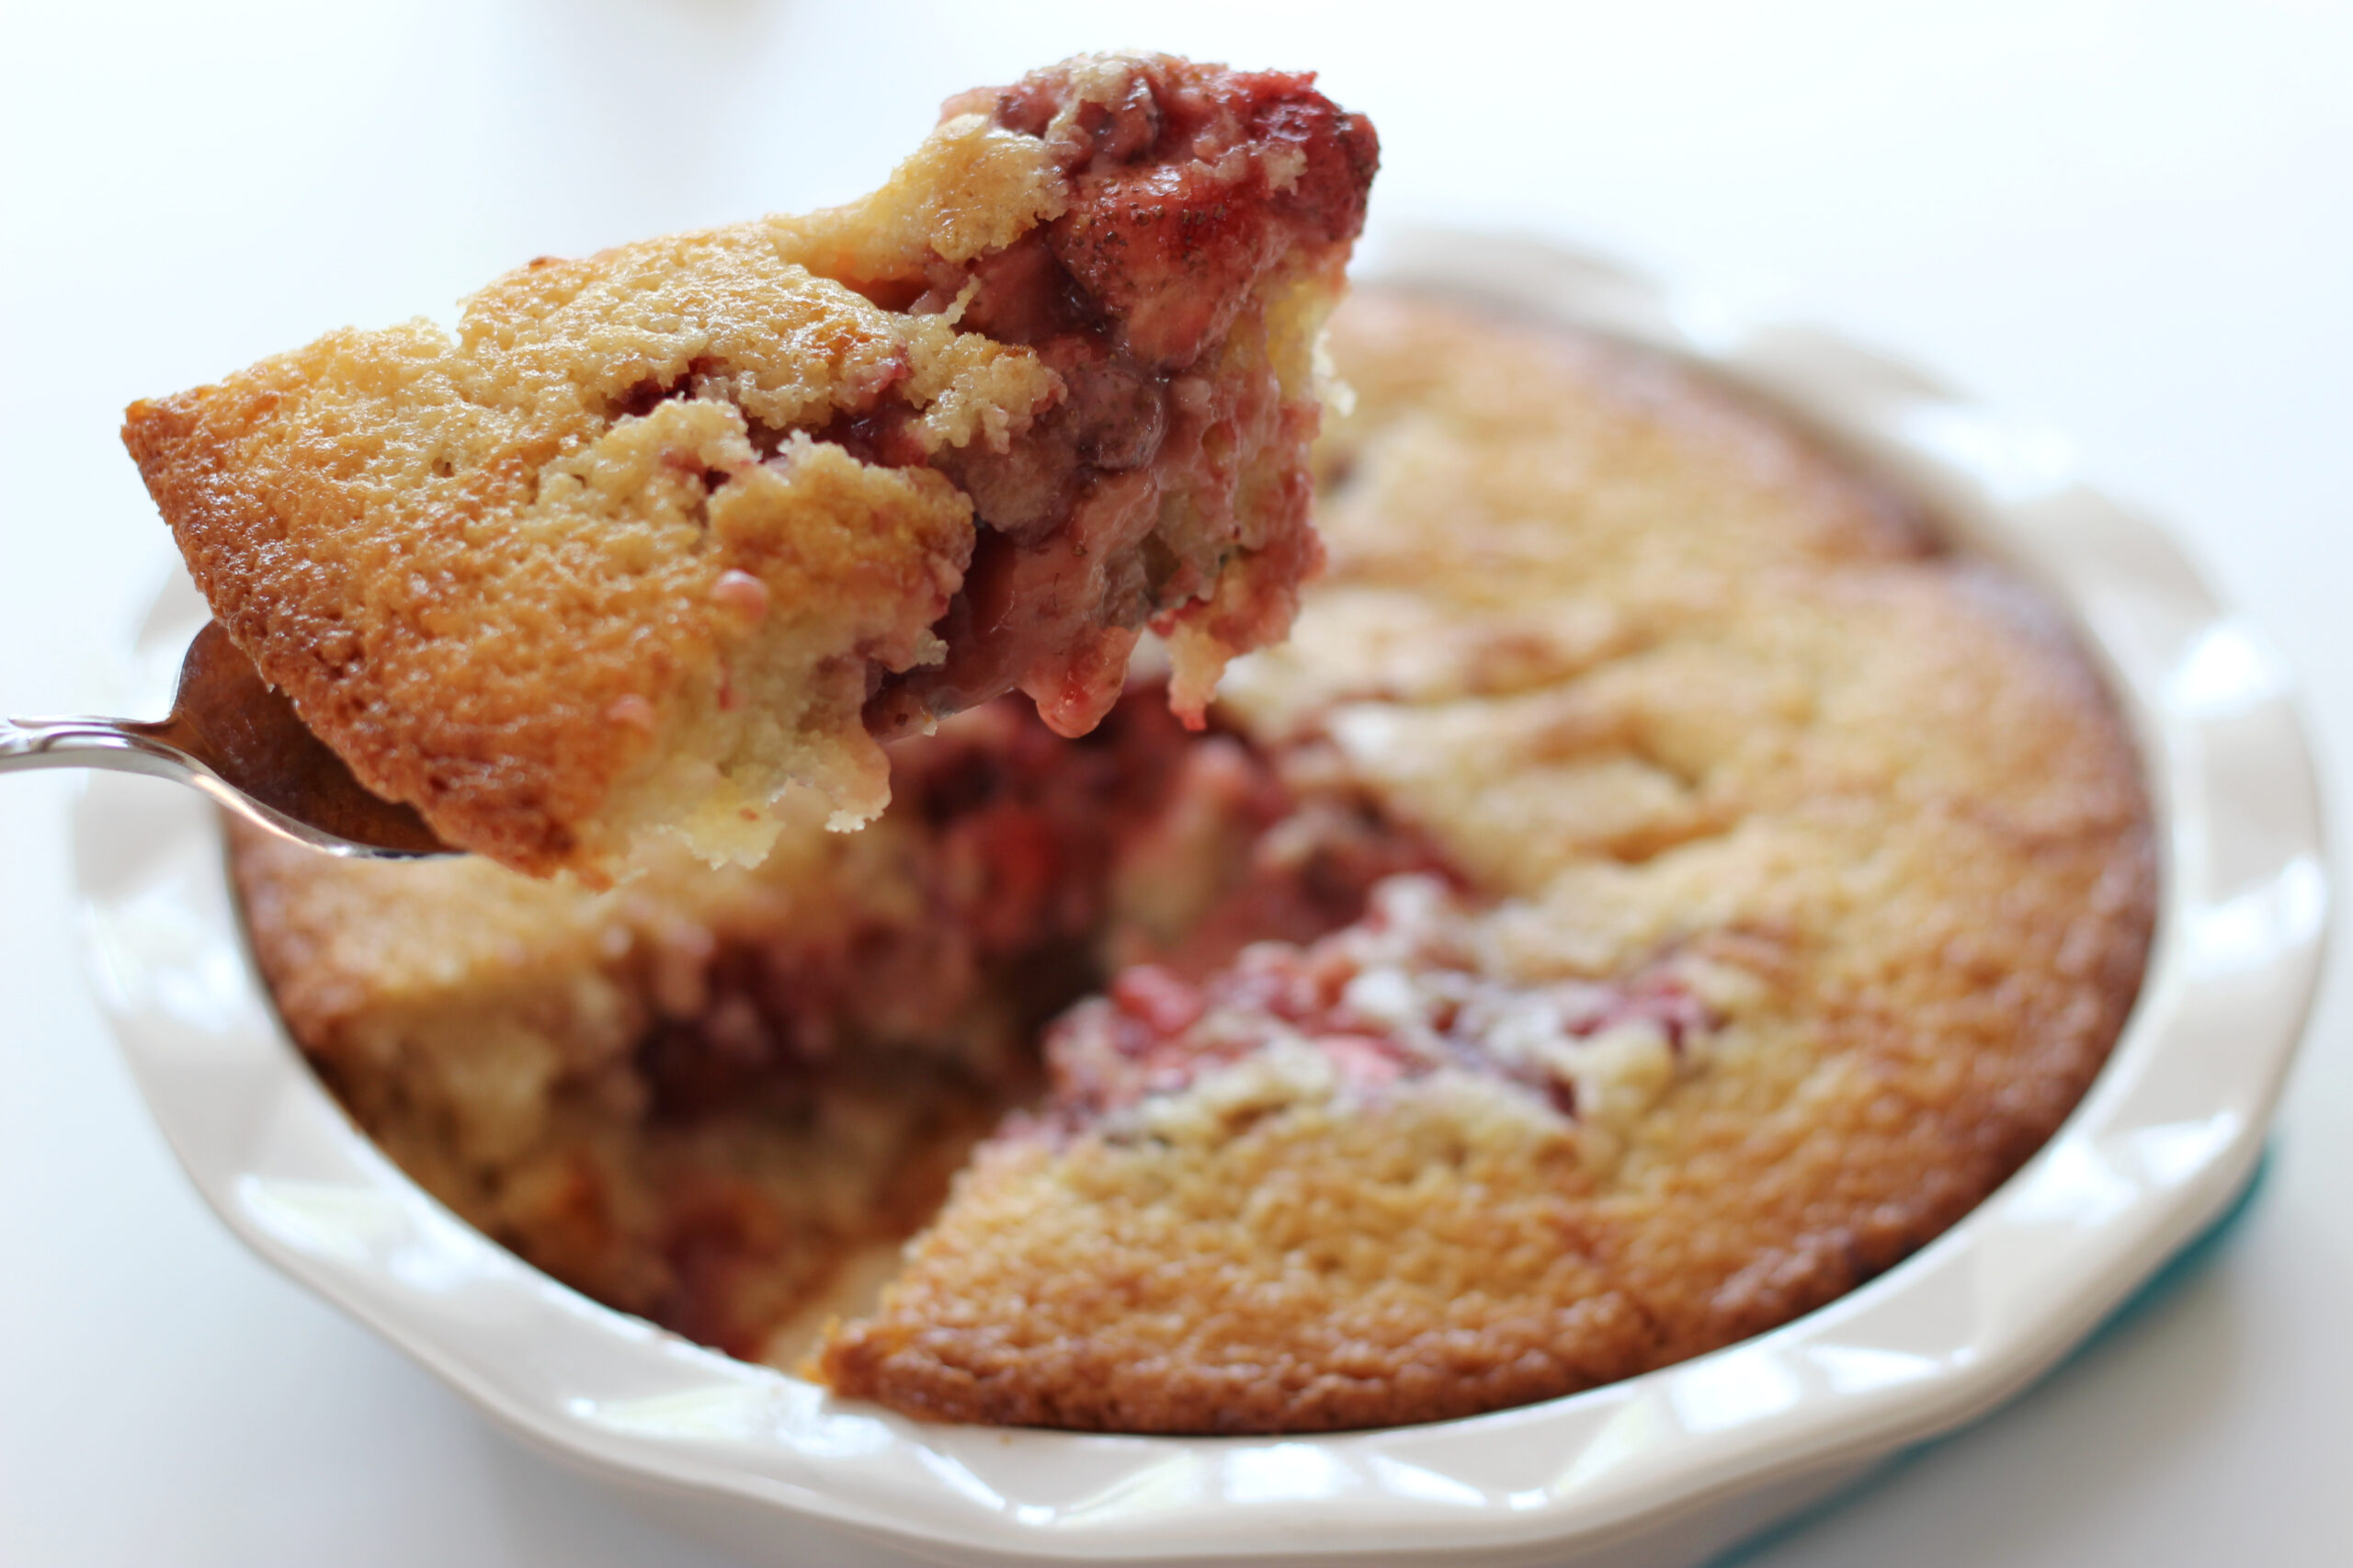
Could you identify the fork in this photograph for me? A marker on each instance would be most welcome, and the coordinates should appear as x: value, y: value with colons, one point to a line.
x: 232, y: 736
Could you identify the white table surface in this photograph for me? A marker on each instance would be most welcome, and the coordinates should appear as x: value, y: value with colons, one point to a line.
x: 2131, y: 220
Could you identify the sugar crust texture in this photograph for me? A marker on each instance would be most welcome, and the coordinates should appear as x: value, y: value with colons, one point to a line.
x: 1798, y: 879
x: 635, y: 546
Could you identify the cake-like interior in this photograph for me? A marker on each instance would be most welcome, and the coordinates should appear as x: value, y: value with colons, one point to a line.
x: 658, y: 533
x: 1655, y: 888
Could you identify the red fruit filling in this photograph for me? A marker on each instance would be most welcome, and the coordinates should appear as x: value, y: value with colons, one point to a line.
x: 1169, y: 485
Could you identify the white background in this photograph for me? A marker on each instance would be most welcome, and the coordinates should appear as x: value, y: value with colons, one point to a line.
x: 2133, y: 222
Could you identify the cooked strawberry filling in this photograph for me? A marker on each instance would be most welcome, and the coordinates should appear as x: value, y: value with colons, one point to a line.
x: 1047, y: 865
x: 1397, y: 994
x: 1211, y: 213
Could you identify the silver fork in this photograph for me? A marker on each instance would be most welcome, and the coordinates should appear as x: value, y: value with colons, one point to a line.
x: 230, y: 735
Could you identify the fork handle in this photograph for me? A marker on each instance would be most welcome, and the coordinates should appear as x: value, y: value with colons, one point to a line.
x: 117, y: 745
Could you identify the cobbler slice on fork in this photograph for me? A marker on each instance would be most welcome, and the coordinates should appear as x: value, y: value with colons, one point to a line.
x: 657, y: 534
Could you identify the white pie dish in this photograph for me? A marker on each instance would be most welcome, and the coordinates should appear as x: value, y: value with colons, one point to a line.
x: 1662, y: 1469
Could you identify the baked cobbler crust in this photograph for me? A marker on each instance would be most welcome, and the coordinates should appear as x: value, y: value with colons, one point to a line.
x: 1655, y: 888
x: 655, y: 533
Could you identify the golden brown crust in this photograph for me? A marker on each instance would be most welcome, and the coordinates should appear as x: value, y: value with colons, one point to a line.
x: 634, y: 548
x: 1430, y: 1256
x: 495, y: 590
x: 1691, y: 701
